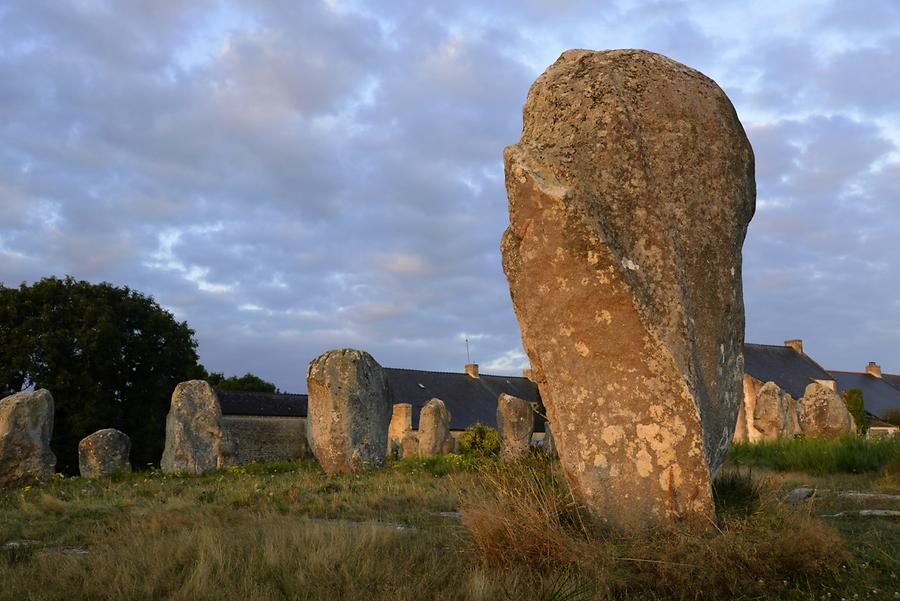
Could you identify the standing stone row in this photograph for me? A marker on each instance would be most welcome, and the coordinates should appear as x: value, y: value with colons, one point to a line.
x: 26, y: 427
x: 432, y: 438
x: 773, y: 413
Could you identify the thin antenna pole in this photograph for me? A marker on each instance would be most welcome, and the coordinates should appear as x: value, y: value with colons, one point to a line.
x: 468, y: 357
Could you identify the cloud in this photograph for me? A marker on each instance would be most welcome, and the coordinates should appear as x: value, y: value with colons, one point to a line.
x: 509, y: 361
x: 292, y: 177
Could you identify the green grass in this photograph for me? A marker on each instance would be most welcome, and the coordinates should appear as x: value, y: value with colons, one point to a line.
x: 286, y: 530
x: 819, y: 456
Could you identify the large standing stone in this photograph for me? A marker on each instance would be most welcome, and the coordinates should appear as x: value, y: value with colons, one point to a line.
x: 26, y: 425
x: 823, y: 413
x: 350, y: 403
x: 773, y: 414
x: 103, y: 453
x: 630, y: 192
x: 515, y: 422
x: 401, y: 423
x: 434, y: 428
x: 196, y: 441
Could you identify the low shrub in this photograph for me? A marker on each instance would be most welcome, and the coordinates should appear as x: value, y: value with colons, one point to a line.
x: 818, y: 456
x: 853, y: 398
x: 480, y: 440
x: 442, y: 465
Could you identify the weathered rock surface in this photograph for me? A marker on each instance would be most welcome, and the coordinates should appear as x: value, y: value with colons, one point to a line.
x: 630, y: 192
x: 774, y: 414
x: 770, y: 413
x: 515, y: 422
x: 451, y: 445
x: 103, y: 453
x: 434, y: 428
x: 401, y: 423
x: 549, y: 442
x: 350, y: 404
x: 409, y: 444
x: 823, y: 413
x: 799, y: 494
x: 26, y: 425
x: 196, y: 440
x: 751, y: 387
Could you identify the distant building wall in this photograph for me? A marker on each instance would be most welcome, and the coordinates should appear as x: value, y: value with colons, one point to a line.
x: 267, y: 438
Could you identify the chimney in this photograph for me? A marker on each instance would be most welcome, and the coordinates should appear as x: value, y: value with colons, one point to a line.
x: 873, y: 369
x: 472, y: 370
x: 527, y: 373
x: 796, y: 344
x: 829, y: 384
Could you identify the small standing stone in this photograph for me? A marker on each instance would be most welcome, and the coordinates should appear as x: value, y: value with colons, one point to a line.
x: 549, y: 442
x: 26, y: 425
x: 350, y: 402
x: 434, y: 428
x: 103, y: 453
x: 401, y: 423
x: 799, y: 494
x: 774, y: 415
x: 823, y: 413
x: 450, y: 445
x: 196, y: 441
x: 409, y: 444
x: 515, y: 421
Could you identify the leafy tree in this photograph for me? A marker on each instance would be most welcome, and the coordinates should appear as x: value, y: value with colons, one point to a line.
x: 110, y: 356
x: 853, y: 397
x: 246, y: 383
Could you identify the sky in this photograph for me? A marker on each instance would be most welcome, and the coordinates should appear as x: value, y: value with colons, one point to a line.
x: 291, y: 177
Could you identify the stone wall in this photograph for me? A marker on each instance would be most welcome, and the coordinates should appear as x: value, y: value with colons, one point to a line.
x: 267, y: 438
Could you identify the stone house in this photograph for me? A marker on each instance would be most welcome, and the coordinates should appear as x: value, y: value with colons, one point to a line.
x: 471, y: 397
x: 788, y: 366
x: 881, y: 429
x: 792, y: 370
x: 267, y: 427
x: 881, y: 392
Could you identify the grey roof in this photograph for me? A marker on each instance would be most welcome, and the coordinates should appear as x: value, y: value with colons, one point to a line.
x: 792, y: 371
x: 468, y: 399
x: 879, y: 397
x: 892, y: 379
x: 262, y: 403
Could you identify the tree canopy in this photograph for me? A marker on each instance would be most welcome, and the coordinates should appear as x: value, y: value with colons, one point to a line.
x: 110, y: 356
x: 246, y: 383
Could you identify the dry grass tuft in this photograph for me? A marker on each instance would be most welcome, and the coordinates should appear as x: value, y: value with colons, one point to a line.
x: 523, y: 517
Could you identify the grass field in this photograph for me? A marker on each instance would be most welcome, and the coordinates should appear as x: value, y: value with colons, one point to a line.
x: 446, y: 528
x: 850, y: 454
